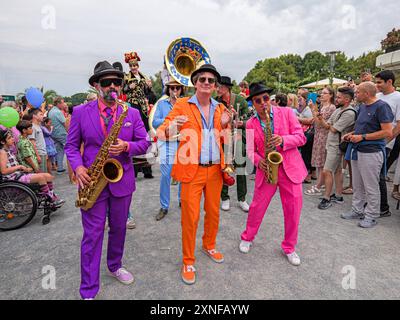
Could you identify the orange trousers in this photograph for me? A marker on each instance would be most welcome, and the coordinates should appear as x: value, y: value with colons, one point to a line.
x: 207, y: 181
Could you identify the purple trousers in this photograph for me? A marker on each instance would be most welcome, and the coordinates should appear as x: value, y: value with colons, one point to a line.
x: 93, y: 222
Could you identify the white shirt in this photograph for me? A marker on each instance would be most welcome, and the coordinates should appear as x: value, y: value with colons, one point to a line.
x: 393, y: 100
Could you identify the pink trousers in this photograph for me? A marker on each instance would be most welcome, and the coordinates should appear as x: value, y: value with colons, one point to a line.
x: 292, y: 202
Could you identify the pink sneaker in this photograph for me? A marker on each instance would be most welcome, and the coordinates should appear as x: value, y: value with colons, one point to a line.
x: 123, y: 276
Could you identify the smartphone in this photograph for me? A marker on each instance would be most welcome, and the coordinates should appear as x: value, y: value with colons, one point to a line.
x: 313, y: 97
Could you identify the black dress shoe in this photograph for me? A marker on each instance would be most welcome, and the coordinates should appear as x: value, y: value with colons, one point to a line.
x: 161, y: 214
x: 148, y: 176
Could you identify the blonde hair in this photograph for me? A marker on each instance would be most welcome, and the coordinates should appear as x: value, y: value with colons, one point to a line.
x: 293, y: 97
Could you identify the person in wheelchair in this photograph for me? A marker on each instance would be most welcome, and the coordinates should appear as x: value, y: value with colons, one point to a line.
x: 10, y: 169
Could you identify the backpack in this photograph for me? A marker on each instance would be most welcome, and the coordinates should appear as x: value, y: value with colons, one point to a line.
x: 344, y: 144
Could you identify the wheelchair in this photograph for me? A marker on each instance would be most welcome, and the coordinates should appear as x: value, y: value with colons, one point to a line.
x: 19, y: 203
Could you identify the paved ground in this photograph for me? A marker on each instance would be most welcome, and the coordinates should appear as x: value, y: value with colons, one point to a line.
x: 328, y: 245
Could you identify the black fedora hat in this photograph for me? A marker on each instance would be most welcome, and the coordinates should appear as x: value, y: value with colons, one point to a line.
x: 257, y: 89
x: 118, y: 65
x: 206, y: 68
x: 226, y: 81
x: 104, y: 68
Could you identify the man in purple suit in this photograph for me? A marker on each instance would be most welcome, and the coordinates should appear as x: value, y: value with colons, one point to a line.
x: 90, y: 125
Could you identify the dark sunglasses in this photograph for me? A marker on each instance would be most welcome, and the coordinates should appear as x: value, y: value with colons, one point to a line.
x: 134, y: 65
x: 107, y: 82
x: 175, y: 87
x: 204, y: 79
x: 261, y: 100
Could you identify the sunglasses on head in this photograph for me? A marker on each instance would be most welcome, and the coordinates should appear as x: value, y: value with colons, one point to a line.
x: 107, y: 82
x: 204, y: 79
x: 175, y: 87
x: 262, y: 99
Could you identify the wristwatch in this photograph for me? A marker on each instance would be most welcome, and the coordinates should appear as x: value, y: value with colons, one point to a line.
x: 364, y: 136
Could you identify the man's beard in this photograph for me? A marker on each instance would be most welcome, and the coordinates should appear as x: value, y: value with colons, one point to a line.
x: 110, y: 95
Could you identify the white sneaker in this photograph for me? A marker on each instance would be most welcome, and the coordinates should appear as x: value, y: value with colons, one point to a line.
x: 244, y: 246
x: 226, y: 205
x: 130, y: 224
x: 294, y: 259
x: 244, y: 206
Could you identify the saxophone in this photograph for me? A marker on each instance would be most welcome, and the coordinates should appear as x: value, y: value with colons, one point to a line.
x: 104, y: 169
x: 273, y: 158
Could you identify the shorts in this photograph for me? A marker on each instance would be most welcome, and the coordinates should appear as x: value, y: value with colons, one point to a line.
x: 26, y: 178
x: 333, y: 161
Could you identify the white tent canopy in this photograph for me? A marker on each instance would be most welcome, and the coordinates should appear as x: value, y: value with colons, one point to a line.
x: 325, y: 82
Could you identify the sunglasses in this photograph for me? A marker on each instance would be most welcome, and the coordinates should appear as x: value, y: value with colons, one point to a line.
x: 175, y: 88
x: 262, y: 99
x: 107, y: 82
x: 134, y: 65
x: 204, y: 79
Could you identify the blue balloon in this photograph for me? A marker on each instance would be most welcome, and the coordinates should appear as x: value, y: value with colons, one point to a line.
x: 34, y: 97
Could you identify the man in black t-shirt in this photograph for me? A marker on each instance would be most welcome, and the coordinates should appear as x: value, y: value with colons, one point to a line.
x: 368, y: 154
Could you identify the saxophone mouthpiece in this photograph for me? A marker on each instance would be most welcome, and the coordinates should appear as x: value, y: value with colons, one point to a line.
x: 114, y: 95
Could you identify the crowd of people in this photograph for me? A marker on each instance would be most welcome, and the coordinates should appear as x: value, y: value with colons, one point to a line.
x: 320, y: 136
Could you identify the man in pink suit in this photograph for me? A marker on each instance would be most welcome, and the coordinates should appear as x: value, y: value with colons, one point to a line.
x: 287, y: 137
x: 90, y: 125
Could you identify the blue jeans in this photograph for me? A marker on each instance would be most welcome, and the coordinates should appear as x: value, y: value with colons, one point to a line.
x: 60, y: 155
x: 167, y: 156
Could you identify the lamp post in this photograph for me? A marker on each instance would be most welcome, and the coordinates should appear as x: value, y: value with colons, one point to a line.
x: 280, y: 74
x: 332, y: 56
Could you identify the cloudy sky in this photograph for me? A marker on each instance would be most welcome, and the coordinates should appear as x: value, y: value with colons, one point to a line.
x: 56, y: 44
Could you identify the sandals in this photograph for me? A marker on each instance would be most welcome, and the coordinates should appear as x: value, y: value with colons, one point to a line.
x: 348, y: 191
x: 396, y: 195
x: 314, y: 191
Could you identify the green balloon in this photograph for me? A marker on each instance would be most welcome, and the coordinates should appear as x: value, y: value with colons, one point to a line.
x: 9, y: 117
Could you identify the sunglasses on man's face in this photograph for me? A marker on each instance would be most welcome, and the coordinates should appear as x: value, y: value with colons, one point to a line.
x: 134, y: 65
x: 204, y: 79
x: 107, y: 82
x: 262, y: 99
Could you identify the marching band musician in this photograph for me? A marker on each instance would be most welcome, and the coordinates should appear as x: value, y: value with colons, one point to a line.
x: 201, y: 121
x: 231, y: 100
x: 287, y: 135
x: 91, y: 123
x: 136, y: 88
x: 167, y: 149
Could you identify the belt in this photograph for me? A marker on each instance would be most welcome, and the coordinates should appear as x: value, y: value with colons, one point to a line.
x: 207, y: 165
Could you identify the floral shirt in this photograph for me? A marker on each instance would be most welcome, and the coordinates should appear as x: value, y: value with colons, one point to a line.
x: 26, y: 150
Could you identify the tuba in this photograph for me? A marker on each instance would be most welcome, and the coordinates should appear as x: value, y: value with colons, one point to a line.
x: 183, y: 56
x: 104, y: 169
x: 273, y: 158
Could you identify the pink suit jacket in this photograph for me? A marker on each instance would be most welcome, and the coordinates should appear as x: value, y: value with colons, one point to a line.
x: 288, y: 127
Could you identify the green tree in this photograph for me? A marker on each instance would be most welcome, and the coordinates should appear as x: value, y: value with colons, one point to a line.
x: 315, y: 63
x: 157, y: 84
x: 49, y: 96
x: 78, y: 98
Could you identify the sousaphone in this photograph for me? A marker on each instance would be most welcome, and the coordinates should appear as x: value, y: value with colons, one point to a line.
x: 183, y: 56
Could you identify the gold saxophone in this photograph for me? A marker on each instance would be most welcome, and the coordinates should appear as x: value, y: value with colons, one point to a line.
x: 104, y: 169
x: 273, y: 158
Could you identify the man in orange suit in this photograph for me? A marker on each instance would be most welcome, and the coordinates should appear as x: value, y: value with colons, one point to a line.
x: 200, y: 122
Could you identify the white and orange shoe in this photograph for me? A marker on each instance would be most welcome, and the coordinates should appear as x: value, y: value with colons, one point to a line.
x: 188, y: 274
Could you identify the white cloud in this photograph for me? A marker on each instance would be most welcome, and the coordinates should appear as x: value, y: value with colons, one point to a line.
x: 237, y: 34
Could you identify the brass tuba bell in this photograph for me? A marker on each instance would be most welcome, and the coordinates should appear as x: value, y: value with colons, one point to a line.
x: 185, y: 55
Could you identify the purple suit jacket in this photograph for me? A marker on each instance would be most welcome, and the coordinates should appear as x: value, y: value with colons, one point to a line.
x: 288, y: 127
x: 86, y: 128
